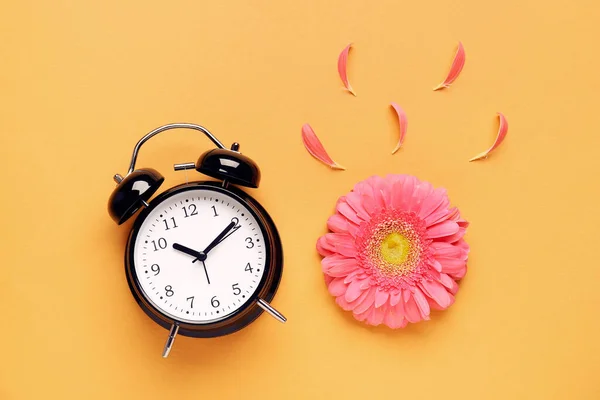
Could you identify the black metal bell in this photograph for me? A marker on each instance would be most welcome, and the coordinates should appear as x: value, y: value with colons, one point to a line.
x: 229, y: 165
x: 132, y: 192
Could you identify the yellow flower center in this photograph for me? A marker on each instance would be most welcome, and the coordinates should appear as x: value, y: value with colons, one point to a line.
x: 395, y: 248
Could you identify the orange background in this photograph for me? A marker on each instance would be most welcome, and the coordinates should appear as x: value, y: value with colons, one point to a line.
x: 82, y: 81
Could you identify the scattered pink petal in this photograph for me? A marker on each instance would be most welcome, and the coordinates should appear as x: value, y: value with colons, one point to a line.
x: 315, y: 148
x: 502, y: 130
x: 403, y: 122
x: 342, y: 61
x: 457, y: 66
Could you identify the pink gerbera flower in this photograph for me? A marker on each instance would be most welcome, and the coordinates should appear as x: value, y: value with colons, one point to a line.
x: 396, y: 251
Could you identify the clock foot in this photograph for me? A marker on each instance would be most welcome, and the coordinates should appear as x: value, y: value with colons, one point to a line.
x: 271, y: 311
x: 170, y: 340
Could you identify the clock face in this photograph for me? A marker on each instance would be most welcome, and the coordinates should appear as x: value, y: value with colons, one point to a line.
x: 174, y: 273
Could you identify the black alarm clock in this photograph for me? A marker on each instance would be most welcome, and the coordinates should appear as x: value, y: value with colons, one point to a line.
x: 203, y: 259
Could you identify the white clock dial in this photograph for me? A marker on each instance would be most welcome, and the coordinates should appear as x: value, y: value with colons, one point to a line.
x: 199, y: 291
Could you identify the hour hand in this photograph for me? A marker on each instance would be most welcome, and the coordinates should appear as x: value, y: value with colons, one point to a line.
x: 198, y: 254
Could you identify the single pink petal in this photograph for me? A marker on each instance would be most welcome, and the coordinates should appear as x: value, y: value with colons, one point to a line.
x: 421, y: 192
x: 377, y: 316
x: 354, y: 200
x: 367, y: 301
x: 411, y: 310
x: 456, y: 237
x: 394, y: 318
x: 364, y: 315
x: 457, y: 66
x: 338, y: 266
x: 315, y: 148
x: 402, y: 122
x: 446, y: 228
x: 337, y: 287
x: 449, y: 283
x: 432, y: 202
x: 452, y: 265
x: 324, y: 248
x: 395, y: 298
x: 437, y: 292
x: 342, y: 68
x: 337, y: 223
x: 381, y: 297
x: 347, y: 211
x: 436, y: 265
x: 421, y: 303
x: 502, y: 131
x: 444, y: 249
x: 353, y: 292
x: 341, y: 301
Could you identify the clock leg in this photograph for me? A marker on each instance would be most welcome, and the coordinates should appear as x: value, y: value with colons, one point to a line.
x: 170, y: 339
x: 271, y: 311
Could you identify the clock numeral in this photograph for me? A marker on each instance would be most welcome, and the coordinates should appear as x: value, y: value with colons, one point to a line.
x: 155, y: 268
x: 214, y: 302
x: 236, y: 289
x: 192, y: 211
x: 162, y: 244
x: 215, y: 210
x: 166, y: 221
x: 249, y: 243
x: 235, y: 227
x: 248, y: 268
x: 191, y: 300
x: 169, y: 291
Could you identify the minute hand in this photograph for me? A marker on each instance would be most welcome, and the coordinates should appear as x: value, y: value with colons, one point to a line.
x: 218, y: 239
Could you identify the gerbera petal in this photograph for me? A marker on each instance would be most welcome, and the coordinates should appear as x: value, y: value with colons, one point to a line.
x: 421, y: 301
x: 435, y: 264
x: 444, y: 249
x: 377, y: 315
x: 337, y: 287
x: 341, y: 243
x: 406, y: 192
x: 444, y: 229
x: 338, y: 266
x: 324, y: 248
x: 463, y: 245
x: 451, y: 264
x: 439, y: 215
x: 328, y: 279
x: 364, y: 315
x: 354, y: 291
x: 353, y: 275
x: 432, y: 202
x: 395, y: 298
x: 421, y: 192
x: 354, y: 200
x: 367, y: 301
x: 338, y: 224
x: 381, y: 297
x: 397, y: 193
x: 394, y: 318
x: 379, y: 187
x: 456, y: 237
x: 411, y: 310
x: 449, y: 283
x: 344, y: 208
x: 437, y: 292
x: 341, y: 301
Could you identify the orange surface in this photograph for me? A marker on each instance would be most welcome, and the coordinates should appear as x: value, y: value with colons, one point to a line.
x: 81, y: 81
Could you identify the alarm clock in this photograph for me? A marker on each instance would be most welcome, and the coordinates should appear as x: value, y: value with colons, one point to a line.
x: 204, y: 258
